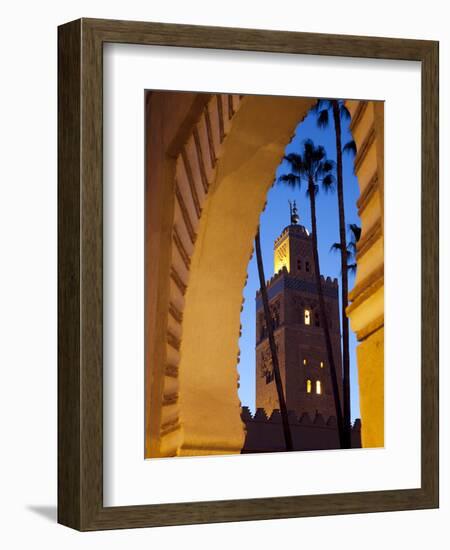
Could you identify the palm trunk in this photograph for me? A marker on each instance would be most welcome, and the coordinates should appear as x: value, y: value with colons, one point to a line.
x: 323, y: 315
x: 344, y: 286
x: 273, y: 349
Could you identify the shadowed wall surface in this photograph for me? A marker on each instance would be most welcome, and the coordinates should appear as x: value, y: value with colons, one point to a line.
x: 309, y: 432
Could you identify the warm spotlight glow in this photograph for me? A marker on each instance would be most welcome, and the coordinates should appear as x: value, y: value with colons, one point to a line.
x: 308, y: 386
x: 281, y: 256
x: 318, y: 387
x: 307, y: 317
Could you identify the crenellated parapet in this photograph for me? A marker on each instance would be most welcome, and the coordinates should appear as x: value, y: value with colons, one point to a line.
x: 265, y: 434
x: 294, y: 419
x: 299, y: 231
x: 270, y: 282
x: 283, y: 280
x: 329, y: 281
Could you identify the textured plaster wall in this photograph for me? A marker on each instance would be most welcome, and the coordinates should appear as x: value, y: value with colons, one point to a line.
x: 208, y: 375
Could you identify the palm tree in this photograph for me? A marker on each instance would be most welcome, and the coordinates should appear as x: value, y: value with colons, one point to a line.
x: 339, y: 111
x: 355, y: 231
x: 314, y: 169
x: 272, y: 345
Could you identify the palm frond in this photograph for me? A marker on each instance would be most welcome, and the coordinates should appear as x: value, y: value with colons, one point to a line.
x: 356, y: 231
x: 319, y: 153
x: 328, y: 183
x: 350, y: 147
x: 345, y: 113
x: 311, y: 167
x: 308, y: 148
x: 328, y: 166
x: 335, y: 247
x: 293, y: 158
x: 292, y: 180
x: 323, y: 119
x: 295, y: 161
x: 351, y: 249
x: 352, y: 268
x: 316, y: 107
x: 321, y: 104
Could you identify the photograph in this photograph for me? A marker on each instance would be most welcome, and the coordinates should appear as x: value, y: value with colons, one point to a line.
x: 226, y: 254
x: 264, y: 274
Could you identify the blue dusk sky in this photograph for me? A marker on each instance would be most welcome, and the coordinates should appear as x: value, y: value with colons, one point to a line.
x: 272, y: 222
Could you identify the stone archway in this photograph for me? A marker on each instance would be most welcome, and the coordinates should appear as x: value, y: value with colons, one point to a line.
x: 211, y: 162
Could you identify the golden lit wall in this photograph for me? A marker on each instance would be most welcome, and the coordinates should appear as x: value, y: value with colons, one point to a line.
x: 215, y: 189
x: 281, y: 256
x: 366, y: 310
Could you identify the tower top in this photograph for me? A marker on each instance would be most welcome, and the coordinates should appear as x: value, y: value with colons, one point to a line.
x: 294, y: 213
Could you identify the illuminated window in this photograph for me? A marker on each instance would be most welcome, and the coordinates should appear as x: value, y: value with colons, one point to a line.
x: 305, y: 362
x: 321, y: 364
x: 318, y: 387
x: 308, y: 386
x: 307, y: 317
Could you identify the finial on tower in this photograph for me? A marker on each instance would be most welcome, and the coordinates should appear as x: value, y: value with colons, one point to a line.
x: 294, y: 213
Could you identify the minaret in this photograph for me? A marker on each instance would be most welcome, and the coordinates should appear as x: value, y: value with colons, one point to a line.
x: 294, y: 304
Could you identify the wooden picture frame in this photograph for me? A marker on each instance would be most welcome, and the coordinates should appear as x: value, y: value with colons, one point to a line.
x: 80, y: 272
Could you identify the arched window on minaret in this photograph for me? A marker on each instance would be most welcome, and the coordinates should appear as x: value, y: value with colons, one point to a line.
x: 317, y: 318
x: 308, y: 386
x: 262, y: 333
x: 276, y: 319
x: 307, y: 316
x: 318, y: 387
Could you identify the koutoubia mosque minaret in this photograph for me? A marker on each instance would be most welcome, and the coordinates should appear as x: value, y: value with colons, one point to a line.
x: 299, y: 337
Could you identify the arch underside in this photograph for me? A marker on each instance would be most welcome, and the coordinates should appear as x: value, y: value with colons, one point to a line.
x: 210, y: 165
